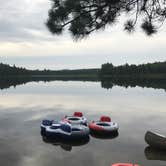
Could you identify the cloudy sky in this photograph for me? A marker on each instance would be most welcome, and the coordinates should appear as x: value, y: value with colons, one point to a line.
x: 25, y: 41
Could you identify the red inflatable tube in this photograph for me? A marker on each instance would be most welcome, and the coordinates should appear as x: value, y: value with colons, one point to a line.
x: 95, y: 127
x: 124, y: 164
x: 78, y: 114
x: 105, y: 119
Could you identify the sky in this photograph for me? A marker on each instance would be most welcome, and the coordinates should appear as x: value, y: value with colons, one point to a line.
x: 25, y: 41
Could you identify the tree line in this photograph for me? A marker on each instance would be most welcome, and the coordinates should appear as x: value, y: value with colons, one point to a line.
x: 145, y: 75
x: 7, y: 70
x: 109, y: 70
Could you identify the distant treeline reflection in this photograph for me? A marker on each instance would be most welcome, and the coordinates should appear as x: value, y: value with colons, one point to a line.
x: 105, y: 83
x: 151, y: 75
x: 141, y: 82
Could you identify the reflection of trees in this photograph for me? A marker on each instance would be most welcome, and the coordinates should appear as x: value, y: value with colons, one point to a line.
x: 133, y: 82
x: 7, y: 82
x: 107, y: 83
x: 151, y: 75
x: 12, y: 81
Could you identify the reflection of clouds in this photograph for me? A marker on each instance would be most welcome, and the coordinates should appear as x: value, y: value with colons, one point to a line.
x: 22, y: 32
x: 22, y: 109
x: 19, y: 20
x: 73, y: 159
x: 73, y: 95
x: 9, y: 155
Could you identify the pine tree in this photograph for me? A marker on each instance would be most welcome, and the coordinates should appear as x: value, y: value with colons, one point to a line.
x: 82, y: 17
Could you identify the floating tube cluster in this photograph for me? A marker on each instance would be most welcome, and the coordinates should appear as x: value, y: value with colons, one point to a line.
x: 76, y: 127
x: 72, y: 130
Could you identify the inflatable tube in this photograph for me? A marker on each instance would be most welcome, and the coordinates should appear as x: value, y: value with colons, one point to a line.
x: 99, y: 127
x: 105, y: 119
x: 66, y: 131
x: 79, y: 132
x: 45, y: 123
x: 58, y: 130
x: 78, y: 114
x: 124, y: 164
x: 77, y: 118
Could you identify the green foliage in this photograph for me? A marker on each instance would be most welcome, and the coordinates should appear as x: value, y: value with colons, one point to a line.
x: 12, y: 70
x: 145, y: 75
x: 107, y: 69
x: 7, y: 70
x: 81, y: 17
x: 150, y: 68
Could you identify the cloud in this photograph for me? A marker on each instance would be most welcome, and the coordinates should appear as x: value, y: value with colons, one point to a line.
x: 19, y: 19
x: 23, y: 33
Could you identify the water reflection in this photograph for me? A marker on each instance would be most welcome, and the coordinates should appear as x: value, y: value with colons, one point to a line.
x: 155, y: 154
x: 22, y: 109
x: 66, y: 144
x: 111, y: 135
x: 128, y: 82
x: 106, y: 83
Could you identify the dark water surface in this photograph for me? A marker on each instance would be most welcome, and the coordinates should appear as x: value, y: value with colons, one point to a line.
x: 135, y: 109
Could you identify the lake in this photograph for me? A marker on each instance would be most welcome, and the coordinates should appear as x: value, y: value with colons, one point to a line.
x: 135, y: 109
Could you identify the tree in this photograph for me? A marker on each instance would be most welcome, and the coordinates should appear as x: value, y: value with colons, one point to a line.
x: 82, y: 17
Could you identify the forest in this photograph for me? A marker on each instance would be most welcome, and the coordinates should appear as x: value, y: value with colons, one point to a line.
x: 145, y: 75
x: 8, y: 71
x: 108, y: 70
x: 150, y: 70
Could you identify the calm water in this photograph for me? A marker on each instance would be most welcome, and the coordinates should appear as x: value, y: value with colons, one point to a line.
x: 135, y: 109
